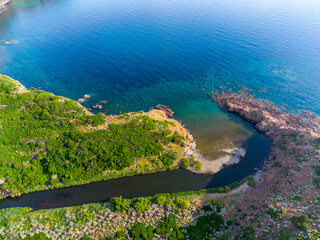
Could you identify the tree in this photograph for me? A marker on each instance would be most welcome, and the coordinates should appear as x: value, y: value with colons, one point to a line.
x: 142, y: 204
x: 139, y: 231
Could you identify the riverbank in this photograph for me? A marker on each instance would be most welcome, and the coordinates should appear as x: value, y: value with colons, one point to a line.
x: 232, y: 157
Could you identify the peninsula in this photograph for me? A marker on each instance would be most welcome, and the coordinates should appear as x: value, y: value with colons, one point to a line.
x: 49, y: 142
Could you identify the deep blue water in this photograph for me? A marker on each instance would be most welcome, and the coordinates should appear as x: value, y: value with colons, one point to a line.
x: 137, y: 54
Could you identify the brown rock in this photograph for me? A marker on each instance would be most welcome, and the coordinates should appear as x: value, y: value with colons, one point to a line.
x: 167, y: 110
x: 97, y: 106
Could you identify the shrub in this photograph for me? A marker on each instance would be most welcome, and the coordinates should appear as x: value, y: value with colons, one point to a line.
x: 297, y: 198
x: 284, y: 234
x: 168, y: 159
x: 273, y: 212
x: 38, y: 236
x: 198, y: 165
x: 316, y: 182
x: 251, y: 183
x: 161, y: 199
x: 182, y: 203
x: 301, y: 222
x: 204, y: 227
x: 218, y: 204
x: 119, y: 236
x: 120, y: 204
x: 317, y: 169
x: 186, y: 163
x: 85, y: 237
x: 276, y: 164
x: 85, y: 217
x: 142, y: 204
x: 139, y: 231
x: 249, y: 230
x: 170, y: 202
x: 168, y: 227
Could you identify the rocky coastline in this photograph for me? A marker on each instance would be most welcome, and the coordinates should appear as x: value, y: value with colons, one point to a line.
x: 289, y: 172
x: 267, y: 206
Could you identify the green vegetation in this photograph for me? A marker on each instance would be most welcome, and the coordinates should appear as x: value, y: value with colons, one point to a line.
x: 84, y: 217
x: 140, y: 231
x: 191, y: 162
x: 297, y: 198
x: 251, y: 182
x: 7, y: 85
x: 205, y: 225
x: 276, y: 164
x: 168, y: 227
x: 317, y: 169
x: 161, y: 199
x: 38, y: 236
x: 9, y: 216
x: 301, y: 222
x: 142, y: 204
x: 273, y: 212
x: 182, y: 203
x: 49, y: 141
x: 120, y: 204
x: 316, y: 182
x: 121, y: 235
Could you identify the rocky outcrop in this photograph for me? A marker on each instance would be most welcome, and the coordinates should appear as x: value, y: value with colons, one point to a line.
x: 3, y: 6
x: 168, y: 111
x: 289, y: 170
x: 265, y: 116
x: 84, y: 98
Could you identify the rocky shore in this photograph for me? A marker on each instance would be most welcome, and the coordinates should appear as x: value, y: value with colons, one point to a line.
x: 3, y: 5
x: 288, y: 174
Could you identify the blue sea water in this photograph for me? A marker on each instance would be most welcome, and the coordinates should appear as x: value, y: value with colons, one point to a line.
x: 137, y: 54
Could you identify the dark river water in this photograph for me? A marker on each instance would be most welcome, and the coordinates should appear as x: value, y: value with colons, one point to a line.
x: 145, y: 185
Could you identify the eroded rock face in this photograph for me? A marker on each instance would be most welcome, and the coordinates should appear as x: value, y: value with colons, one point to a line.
x: 168, y: 111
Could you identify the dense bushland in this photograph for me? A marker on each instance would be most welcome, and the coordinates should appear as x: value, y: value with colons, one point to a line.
x: 48, y: 140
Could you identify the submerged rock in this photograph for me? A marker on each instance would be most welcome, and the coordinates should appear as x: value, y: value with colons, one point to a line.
x: 84, y: 98
x: 98, y: 106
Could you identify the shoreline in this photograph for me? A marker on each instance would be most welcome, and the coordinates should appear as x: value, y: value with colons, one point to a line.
x: 289, y: 170
x: 139, y: 166
x: 291, y: 137
x: 232, y: 157
x: 4, y: 6
x: 162, y: 113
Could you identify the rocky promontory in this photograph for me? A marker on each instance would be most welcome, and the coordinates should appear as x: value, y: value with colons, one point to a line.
x: 288, y: 187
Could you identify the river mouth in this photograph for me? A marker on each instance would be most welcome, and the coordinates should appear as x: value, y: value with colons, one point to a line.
x: 146, y: 185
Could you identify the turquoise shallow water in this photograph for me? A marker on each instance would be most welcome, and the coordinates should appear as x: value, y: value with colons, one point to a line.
x: 137, y: 54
